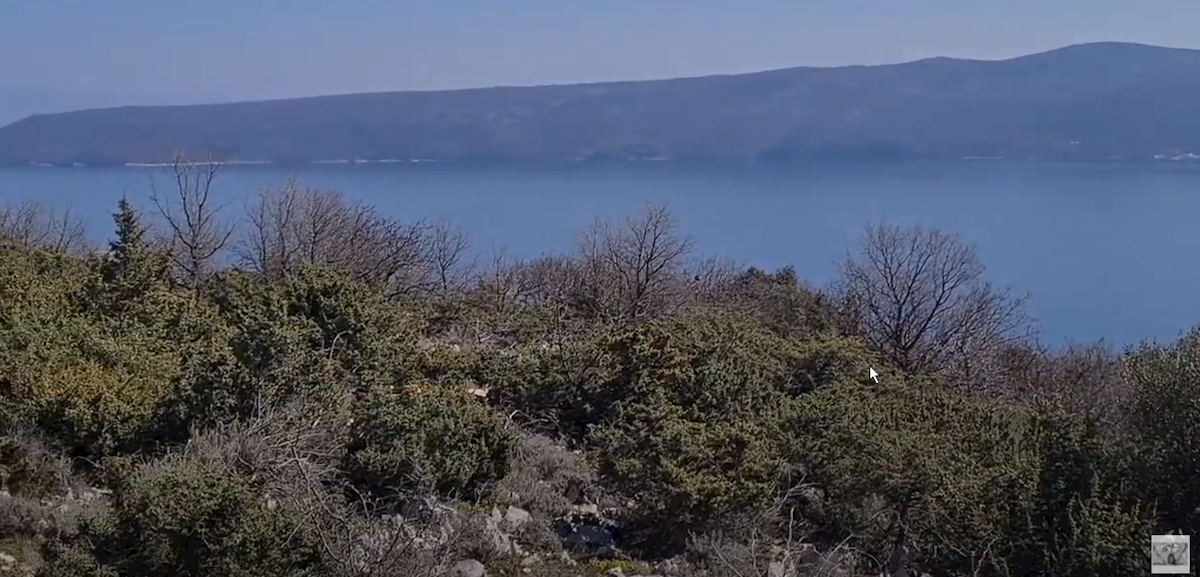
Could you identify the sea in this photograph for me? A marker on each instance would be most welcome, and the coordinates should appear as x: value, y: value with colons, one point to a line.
x: 1107, y: 252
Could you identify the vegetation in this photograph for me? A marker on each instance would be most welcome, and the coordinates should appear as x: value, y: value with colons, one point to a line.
x: 319, y: 389
x: 1092, y: 101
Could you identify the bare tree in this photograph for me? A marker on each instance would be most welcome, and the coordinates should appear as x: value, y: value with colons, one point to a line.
x: 447, y: 251
x: 198, y: 233
x: 34, y: 225
x: 501, y: 280
x: 919, y: 296
x: 712, y: 276
x: 267, y: 246
x: 292, y: 226
x: 1085, y: 378
x: 633, y: 268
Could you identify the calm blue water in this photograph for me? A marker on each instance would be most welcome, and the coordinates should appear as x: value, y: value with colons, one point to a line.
x: 1106, y: 250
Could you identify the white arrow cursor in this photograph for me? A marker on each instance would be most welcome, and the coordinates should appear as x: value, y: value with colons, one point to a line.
x: 874, y: 375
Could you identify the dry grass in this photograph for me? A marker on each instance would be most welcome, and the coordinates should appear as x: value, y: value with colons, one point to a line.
x: 29, y: 466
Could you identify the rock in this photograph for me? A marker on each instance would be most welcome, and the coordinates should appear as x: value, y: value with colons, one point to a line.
x: 7, y: 560
x: 587, y: 535
x: 502, y: 543
x: 91, y: 494
x: 778, y: 569
x: 667, y: 567
x: 515, y: 517
x: 469, y: 568
x: 575, y: 492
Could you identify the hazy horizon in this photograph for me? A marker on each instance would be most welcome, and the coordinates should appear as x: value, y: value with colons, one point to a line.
x: 267, y: 49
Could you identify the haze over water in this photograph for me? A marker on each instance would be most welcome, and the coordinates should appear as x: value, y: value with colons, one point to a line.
x: 1105, y: 250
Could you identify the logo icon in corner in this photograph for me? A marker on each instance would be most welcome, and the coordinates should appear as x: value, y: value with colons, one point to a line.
x: 1170, y: 554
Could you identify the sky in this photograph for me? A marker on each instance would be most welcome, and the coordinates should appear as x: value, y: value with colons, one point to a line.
x: 183, y: 51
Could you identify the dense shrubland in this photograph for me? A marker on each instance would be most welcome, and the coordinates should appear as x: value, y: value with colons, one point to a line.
x: 323, y: 390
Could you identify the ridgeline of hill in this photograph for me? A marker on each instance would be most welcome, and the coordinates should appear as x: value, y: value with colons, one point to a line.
x: 1089, y: 101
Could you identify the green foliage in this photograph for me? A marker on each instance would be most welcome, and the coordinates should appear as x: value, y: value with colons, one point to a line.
x: 133, y: 268
x: 693, y: 415
x: 905, y: 455
x: 92, y: 385
x: 1164, y: 416
x: 63, y: 560
x: 550, y: 389
x: 198, y: 518
x: 975, y: 484
x: 428, y: 435
x: 745, y: 416
x: 781, y: 302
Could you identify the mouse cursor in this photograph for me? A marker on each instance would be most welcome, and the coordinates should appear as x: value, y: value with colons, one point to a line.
x: 874, y: 375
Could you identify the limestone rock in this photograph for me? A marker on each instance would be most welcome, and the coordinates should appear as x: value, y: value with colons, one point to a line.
x: 469, y: 568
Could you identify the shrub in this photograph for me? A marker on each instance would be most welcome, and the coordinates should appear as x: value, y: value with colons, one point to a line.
x: 1164, y: 418
x: 428, y: 435
x: 198, y: 518
x: 964, y: 483
x: 62, y: 560
x: 548, y: 389
x: 28, y: 466
x: 692, y: 411
x: 95, y: 386
x: 546, y: 479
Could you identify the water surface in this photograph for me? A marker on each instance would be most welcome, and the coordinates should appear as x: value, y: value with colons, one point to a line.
x: 1106, y: 250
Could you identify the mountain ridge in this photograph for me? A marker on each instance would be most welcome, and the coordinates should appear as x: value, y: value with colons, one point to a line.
x: 1096, y: 100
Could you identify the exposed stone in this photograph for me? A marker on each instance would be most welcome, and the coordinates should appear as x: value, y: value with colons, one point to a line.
x: 778, y: 569
x: 469, y: 568
x: 516, y: 517
x: 589, y: 535
x: 501, y: 542
x: 668, y: 567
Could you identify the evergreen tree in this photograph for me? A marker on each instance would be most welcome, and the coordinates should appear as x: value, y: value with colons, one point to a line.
x: 133, y: 266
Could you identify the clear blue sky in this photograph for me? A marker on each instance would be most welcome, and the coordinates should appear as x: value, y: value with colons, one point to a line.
x: 195, y: 50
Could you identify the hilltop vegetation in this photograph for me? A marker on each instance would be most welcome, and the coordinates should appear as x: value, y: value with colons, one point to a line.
x: 1092, y: 101
x: 322, y: 390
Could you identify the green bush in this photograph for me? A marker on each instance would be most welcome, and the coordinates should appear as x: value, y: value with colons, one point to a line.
x: 549, y: 390
x: 428, y: 435
x: 93, y: 385
x: 965, y: 483
x: 690, y: 421
x: 1164, y: 418
x: 70, y: 560
x: 197, y: 518
x: 743, y: 416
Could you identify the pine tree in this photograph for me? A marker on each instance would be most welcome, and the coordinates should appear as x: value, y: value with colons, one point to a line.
x: 133, y: 267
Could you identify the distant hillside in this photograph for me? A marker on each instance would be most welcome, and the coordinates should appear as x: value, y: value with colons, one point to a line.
x: 1087, y: 101
x: 19, y: 101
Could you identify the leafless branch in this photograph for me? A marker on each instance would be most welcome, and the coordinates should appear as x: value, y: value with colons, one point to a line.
x: 198, y: 233
x: 31, y: 225
x: 920, y: 297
